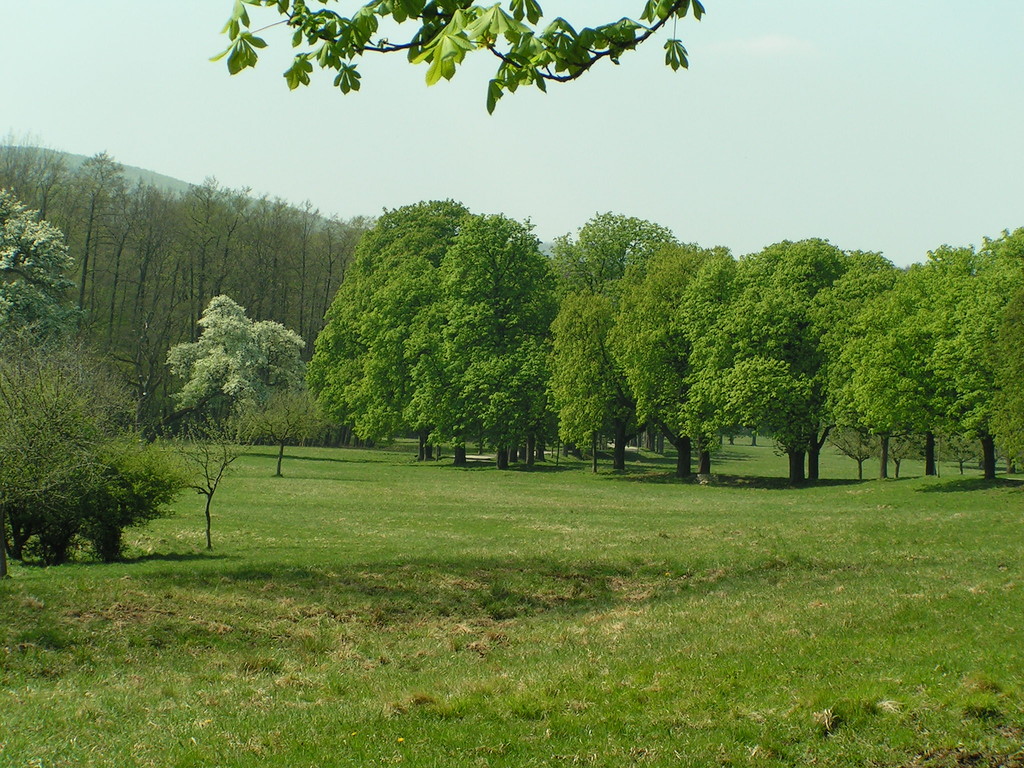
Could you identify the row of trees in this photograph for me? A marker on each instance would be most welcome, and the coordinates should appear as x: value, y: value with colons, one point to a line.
x: 143, y: 262
x: 457, y: 327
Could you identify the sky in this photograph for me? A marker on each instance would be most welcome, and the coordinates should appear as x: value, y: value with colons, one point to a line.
x: 882, y: 126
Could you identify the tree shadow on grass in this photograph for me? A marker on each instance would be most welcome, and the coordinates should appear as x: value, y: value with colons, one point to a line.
x: 289, y: 458
x: 473, y: 590
x: 640, y: 475
x: 480, y: 465
x: 178, y: 557
x: 966, y: 484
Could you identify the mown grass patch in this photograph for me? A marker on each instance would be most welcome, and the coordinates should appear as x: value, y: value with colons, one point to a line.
x: 368, y: 610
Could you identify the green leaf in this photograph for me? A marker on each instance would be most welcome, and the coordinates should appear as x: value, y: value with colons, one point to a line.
x: 298, y: 73
x: 347, y: 79
x: 675, y: 55
x: 494, y: 93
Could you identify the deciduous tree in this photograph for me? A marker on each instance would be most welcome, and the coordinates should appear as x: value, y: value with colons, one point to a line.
x: 235, y: 361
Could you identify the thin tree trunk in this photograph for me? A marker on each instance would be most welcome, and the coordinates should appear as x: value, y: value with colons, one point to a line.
x: 593, y: 453
x: 860, y: 469
x: 209, y: 540
x: 280, y: 457
x: 883, y: 465
x: 929, y: 454
x: 753, y: 438
x: 422, y: 452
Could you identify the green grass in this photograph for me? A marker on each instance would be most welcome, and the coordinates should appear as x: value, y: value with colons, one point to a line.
x: 367, y: 610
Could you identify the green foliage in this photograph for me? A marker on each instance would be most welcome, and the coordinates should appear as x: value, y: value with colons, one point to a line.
x: 780, y: 379
x: 444, y: 33
x: 375, y: 363
x: 235, y: 361
x: 135, y: 482
x: 1008, y: 424
x: 33, y: 263
x: 498, y: 298
x: 590, y: 386
x: 604, y: 248
x: 70, y: 472
x: 587, y: 386
x: 670, y: 337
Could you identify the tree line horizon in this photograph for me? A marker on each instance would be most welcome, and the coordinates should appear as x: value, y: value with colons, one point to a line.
x: 457, y: 327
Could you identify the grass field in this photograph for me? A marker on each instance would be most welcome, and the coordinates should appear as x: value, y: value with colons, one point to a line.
x: 366, y: 610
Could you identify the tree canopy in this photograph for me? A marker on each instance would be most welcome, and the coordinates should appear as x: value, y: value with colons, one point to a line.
x: 530, y: 49
x: 33, y: 263
x: 235, y: 360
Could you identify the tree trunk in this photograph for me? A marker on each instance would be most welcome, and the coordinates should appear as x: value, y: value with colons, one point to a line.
x: 683, y: 450
x: 209, y: 540
x: 502, y: 457
x: 988, y: 456
x: 813, y: 456
x: 796, y: 467
x: 422, y: 452
x: 280, y: 457
x: 460, y: 456
x: 814, y: 446
x: 619, y: 455
x: 896, y: 465
x: 704, y: 462
x: 593, y: 453
x: 929, y: 454
x: 540, y: 452
x: 860, y: 469
x: 753, y: 438
x: 531, y: 450
x: 883, y: 459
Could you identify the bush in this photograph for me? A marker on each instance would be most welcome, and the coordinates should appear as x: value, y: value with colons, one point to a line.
x: 134, y: 484
x: 71, y: 472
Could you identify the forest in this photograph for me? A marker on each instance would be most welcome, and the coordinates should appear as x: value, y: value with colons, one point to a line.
x: 146, y: 260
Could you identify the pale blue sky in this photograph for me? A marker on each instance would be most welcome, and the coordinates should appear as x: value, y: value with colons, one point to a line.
x: 878, y: 125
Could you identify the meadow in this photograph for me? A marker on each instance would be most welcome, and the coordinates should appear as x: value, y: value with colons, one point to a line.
x: 368, y: 610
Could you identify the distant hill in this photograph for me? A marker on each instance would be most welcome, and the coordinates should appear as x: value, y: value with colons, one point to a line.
x: 132, y: 174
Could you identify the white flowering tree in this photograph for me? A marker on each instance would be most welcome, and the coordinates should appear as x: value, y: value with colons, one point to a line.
x: 33, y: 264
x: 236, y: 362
